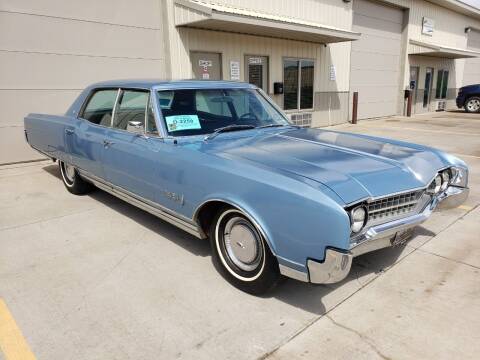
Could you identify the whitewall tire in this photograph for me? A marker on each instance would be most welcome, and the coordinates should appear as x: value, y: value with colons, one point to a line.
x: 72, y: 180
x: 240, y: 252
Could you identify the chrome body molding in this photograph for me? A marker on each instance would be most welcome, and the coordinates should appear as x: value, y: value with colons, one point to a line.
x: 336, y: 265
x: 334, y: 268
x: 144, y: 204
x: 293, y: 273
x: 452, y: 197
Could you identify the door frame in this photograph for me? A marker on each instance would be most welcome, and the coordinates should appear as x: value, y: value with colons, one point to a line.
x: 429, y: 97
x: 245, y: 66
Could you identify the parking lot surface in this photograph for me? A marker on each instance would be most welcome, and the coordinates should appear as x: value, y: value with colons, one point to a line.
x: 91, y: 277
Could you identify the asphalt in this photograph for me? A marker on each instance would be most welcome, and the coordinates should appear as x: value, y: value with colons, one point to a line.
x: 92, y: 277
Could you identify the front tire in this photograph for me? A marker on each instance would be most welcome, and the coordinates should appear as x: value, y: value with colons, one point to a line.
x: 472, y: 105
x: 241, y: 254
x: 72, y: 181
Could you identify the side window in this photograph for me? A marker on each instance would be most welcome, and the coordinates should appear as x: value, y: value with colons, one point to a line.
x: 130, y: 111
x: 99, y: 108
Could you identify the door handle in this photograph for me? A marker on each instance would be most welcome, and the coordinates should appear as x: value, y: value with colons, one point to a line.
x: 69, y: 131
x: 107, y: 143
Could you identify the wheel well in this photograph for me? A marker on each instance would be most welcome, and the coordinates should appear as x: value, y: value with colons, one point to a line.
x: 204, y: 217
x: 207, y: 212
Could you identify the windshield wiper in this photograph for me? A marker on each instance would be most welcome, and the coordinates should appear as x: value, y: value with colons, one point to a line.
x: 270, y: 126
x: 233, y: 127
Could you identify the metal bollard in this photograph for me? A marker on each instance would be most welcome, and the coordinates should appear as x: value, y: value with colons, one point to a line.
x: 355, y: 107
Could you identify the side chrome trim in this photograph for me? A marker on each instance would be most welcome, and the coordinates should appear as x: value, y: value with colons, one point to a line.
x: 452, y: 197
x: 293, y: 273
x: 153, y: 208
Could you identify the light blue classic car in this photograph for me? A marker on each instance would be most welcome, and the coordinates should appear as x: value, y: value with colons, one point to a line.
x: 221, y: 161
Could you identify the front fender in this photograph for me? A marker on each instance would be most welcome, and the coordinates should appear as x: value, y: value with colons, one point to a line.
x: 297, y: 227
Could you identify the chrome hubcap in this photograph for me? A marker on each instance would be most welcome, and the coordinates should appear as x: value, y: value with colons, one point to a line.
x: 69, y: 172
x: 473, y: 105
x: 242, y: 244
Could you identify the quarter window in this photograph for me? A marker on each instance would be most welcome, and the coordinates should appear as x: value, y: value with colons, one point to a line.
x: 442, y: 84
x: 130, y: 110
x: 99, y: 108
x: 298, y: 84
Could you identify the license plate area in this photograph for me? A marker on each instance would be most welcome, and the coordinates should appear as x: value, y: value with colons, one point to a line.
x: 401, y: 237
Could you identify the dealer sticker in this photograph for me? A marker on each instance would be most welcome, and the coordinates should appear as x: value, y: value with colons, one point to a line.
x: 182, y: 122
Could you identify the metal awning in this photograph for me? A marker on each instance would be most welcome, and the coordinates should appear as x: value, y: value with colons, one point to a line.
x: 422, y: 48
x: 206, y: 15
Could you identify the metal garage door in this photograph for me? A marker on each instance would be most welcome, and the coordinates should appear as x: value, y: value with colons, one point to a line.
x: 471, y: 74
x: 375, y: 62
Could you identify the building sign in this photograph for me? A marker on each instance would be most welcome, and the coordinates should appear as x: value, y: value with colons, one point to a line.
x: 234, y: 70
x: 205, y: 64
x: 333, y: 73
x: 427, y: 26
x: 255, y: 60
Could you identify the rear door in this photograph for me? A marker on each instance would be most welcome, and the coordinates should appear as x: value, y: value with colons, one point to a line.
x: 132, y: 148
x: 85, y: 135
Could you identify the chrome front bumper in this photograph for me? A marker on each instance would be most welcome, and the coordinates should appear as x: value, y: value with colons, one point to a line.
x: 336, y: 265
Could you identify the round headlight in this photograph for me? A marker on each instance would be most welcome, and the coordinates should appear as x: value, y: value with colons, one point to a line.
x: 358, y: 216
x: 438, y: 184
x: 445, y: 179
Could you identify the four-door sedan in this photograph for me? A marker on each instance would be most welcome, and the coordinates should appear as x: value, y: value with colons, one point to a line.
x: 221, y: 161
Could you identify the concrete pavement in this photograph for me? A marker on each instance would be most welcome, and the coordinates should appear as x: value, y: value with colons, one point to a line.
x: 92, y: 277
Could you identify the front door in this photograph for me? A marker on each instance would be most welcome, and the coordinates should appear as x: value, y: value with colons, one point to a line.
x: 427, y: 94
x: 131, y: 154
x: 206, y: 65
x: 256, y: 71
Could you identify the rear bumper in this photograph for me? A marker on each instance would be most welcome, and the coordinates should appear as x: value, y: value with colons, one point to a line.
x: 337, y: 263
x: 460, y: 101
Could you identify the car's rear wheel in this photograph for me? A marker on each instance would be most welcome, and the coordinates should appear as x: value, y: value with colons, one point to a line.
x: 72, y: 181
x: 472, y: 105
x: 241, y: 254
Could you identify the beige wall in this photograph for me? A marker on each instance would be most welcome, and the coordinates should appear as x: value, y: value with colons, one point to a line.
x: 50, y: 50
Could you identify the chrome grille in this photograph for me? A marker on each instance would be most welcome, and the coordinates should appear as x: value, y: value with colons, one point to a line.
x: 393, y: 206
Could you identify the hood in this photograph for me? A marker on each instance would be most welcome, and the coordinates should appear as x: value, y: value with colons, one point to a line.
x: 353, y: 166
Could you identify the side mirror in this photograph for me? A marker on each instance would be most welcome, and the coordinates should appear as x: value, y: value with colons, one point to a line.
x: 135, y: 127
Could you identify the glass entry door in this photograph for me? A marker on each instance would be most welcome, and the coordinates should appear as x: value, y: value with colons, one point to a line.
x: 428, y: 86
x: 256, y: 71
x: 414, y: 70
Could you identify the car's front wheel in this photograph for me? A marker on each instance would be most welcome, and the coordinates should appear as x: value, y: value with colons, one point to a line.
x: 472, y: 105
x: 72, y: 181
x: 241, y: 254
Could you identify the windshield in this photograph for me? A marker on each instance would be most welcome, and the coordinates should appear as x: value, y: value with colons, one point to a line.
x: 202, y: 111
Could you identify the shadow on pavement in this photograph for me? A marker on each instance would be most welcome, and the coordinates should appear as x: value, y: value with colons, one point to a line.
x: 305, y: 296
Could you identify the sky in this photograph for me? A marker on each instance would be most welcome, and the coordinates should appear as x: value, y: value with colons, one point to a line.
x: 475, y: 3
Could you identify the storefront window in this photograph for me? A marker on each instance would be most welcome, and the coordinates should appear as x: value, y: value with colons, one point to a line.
x: 442, y: 84
x: 298, y: 84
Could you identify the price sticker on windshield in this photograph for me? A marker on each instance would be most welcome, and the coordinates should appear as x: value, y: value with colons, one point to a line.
x: 182, y: 122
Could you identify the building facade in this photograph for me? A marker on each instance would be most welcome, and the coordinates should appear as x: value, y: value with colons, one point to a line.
x: 308, y: 55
